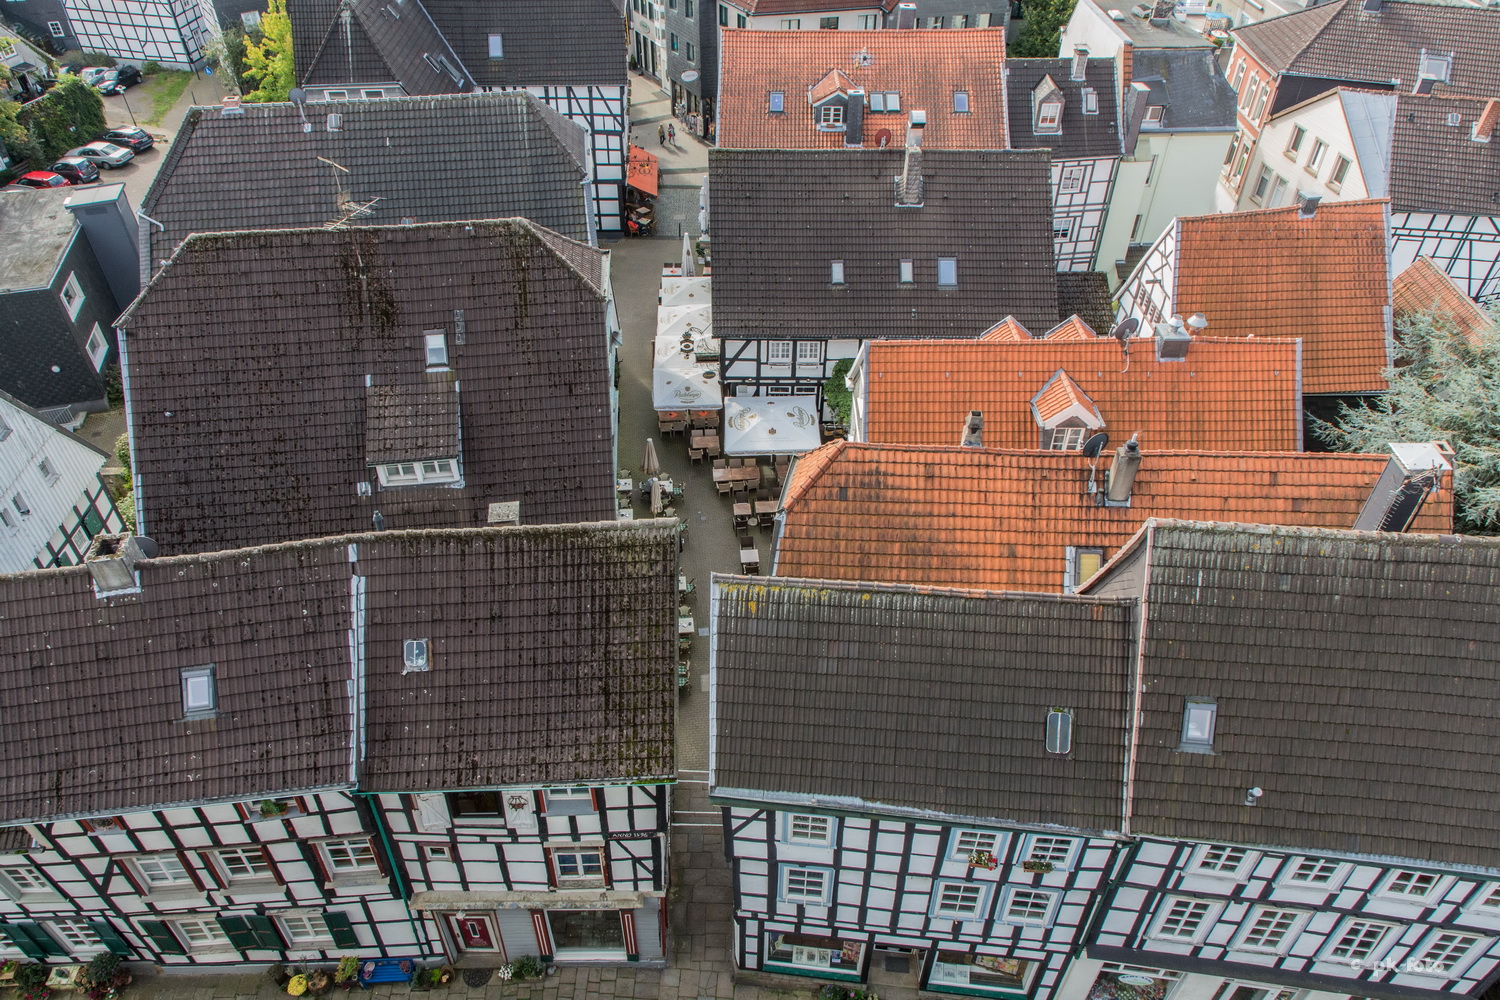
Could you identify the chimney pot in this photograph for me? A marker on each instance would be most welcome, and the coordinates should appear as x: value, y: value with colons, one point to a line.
x: 1197, y: 321
x: 111, y: 561
x: 1122, y: 471
x: 231, y: 105
x: 973, y: 430
x: 1307, y: 204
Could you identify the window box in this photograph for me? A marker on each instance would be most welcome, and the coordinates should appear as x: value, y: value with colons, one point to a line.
x: 1036, y: 867
x: 983, y: 859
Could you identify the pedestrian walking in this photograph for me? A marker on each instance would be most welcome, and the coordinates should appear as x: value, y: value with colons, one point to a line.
x: 672, y: 135
x: 661, y: 135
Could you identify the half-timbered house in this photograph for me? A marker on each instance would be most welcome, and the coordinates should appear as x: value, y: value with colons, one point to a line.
x: 342, y: 749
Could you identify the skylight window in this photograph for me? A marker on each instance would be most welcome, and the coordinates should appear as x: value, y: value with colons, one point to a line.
x: 199, y: 698
x: 1198, y: 720
x: 961, y: 102
x: 497, y: 47
x: 1090, y: 101
x: 1059, y: 731
x: 415, y: 655
x: 435, y: 343
x: 836, y: 272
x: 947, y: 269
x: 778, y: 101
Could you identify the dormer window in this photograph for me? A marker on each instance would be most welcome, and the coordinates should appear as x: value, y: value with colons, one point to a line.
x: 831, y: 118
x: 777, y: 102
x: 1049, y: 117
x: 886, y: 101
x: 1154, y: 114
x: 436, y: 470
x: 1046, y: 106
x: 1064, y: 414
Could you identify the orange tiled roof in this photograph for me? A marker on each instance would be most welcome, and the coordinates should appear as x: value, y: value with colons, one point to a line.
x: 1271, y: 273
x: 1423, y: 286
x: 925, y: 67
x: 1228, y: 395
x: 1071, y: 328
x: 1060, y: 395
x: 1002, y: 520
x: 1008, y: 328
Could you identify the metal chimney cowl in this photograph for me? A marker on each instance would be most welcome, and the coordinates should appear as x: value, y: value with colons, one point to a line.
x: 1122, y: 472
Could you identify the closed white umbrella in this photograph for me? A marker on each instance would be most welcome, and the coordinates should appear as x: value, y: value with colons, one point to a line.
x: 689, y: 262
x: 650, y: 465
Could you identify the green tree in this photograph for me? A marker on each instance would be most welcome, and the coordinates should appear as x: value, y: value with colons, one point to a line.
x: 70, y: 114
x: 1444, y: 387
x: 269, y: 59
x: 1041, y: 32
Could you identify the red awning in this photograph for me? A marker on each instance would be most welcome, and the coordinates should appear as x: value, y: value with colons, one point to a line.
x: 642, y: 174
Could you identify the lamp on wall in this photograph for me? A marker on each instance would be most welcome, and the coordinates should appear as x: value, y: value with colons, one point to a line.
x: 516, y: 803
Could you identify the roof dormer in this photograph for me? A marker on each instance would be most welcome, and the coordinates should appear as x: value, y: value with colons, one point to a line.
x: 1046, y: 107
x: 1064, y: 413
x: 830, y: 98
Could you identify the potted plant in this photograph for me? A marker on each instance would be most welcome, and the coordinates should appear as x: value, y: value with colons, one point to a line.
x: 347, y: 973
x: 528, y: 967
x: 31, y: 981
x: 297, y: 985
x: 271, y: 808
x: 983, y: 859
x: 278, y: 974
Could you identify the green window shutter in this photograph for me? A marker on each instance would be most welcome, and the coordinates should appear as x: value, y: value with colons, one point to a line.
x: 264, y: 929
x: 240, y: 934
x: 23, y: 941
x: 109, y: 937
x: 43, y: 940
x: 340, y: 928
x: 92, y: 522
x: 161, y: 935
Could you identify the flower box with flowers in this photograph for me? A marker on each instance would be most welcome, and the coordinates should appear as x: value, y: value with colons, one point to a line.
x: 983, y: 859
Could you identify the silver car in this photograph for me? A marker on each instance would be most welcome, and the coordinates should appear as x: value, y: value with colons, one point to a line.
x: 104, y: 155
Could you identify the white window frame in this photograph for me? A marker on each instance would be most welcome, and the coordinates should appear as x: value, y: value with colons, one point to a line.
x: 25, y: 880
x: 947, y: 272
x: 802, y: 829
x: 1339, y: 173
x: 1457, y: 965
x: 791, y: 24
x: 869, y: 22
x: 569, y: 801
x: 1369, y: 950
x: 98, y: 347
x: 200, y: 693
x: 961, y: 102
x: 954, y: 900
x: 75, y: 934
x: 1154, y: 114
x: 1049, y: 844
x: 1066, y: 439
x: 885, y: 101
x: 435, y: 349
x: 428, y: 470
x: 1318, y: 874
x: 336, y: 95
x: 964, y: 842
x: 72, y: 295
x: 253, y: 863
x: 800, y: 895
x: 1009, y: 915
x: 56, y: 29
x: 776, y: 103
x: 303, y: 928
x: 1315, y: 157
x: 1435, y: 888
x: 1070, y: 181
x: 497, y: 45
x: 156, y: 872
x: 1222, y: 861
x: 1049, y: 116
x: 906, y: 274
x: 1294, y: 143
x: 1287, y: 923
x: 809, y: 352
x: 372, y: 95
x: 204, y: 936
x: 48, y: 471
x: 778, y: 352
x: 1206, y: 912
x: 835, y: 272
x: 1262, y: 184
x: 343, y: 856
x: 437, y: 852
x: 831, y: 117
x: 582, y: 859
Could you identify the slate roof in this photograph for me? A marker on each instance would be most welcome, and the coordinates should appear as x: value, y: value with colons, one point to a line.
x: 1272, y: 273
x: 260, y: 426
x: 1003, y: 520
x: 559, y: 42
x: 779, y: 217
x: 1423, y: 286
x: 1354, y: 675
x: 1439, y: 167
x: 1228, y: 395
x: 1082, y: 135
x: 570, y: 680
x: 430, y: 159
x: 1189, y: 87
x: 925, y: 67
x: 1338, y: 41
x: 867, y: 696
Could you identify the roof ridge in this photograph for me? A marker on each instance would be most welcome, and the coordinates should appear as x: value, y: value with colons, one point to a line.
x: 31, y: 411
x: 967, y: 593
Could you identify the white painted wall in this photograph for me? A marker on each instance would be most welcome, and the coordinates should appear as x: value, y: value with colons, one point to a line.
x: 1172, y: 174
x: 30, y: 442
x: 1323, y: 121
x: 863, y: 19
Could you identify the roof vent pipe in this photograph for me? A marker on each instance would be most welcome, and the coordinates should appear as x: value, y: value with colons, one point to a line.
x: 1198, y: 322
x: 1307, y: 204
x: 1122, y: 470
x: 973, y: 430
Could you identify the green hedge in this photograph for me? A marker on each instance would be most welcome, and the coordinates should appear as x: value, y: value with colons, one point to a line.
x: 70, y: 115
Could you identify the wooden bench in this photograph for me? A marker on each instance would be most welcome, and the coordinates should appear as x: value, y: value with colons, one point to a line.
x: 386, y: 970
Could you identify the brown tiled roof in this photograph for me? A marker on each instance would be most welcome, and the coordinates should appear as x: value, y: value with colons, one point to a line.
x: 1229, y: 395
x: 918, y: 700
x: 1003, y: 520
x: 551, y: 657
x: 1340, y: 42
x: 260, y: 426
x: 1423, y: 286
x: 925, y: 67
x: 1083, y: 135
x: 1436, y: 164
x: 1272, y: 273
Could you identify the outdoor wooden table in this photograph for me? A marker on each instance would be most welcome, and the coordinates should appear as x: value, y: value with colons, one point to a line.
x: 705, y: 439
x: 739, y: 474
x: 685, y: 625
x: 624, y: 485
x: 742, y: 510
x: 765, y: 508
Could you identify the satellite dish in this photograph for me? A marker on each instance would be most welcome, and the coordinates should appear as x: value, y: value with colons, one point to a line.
x: 883, y: 138
x: 1094, y: 446
x: 1126, y: 330
x: 148, y: 546
x: 297, y: 95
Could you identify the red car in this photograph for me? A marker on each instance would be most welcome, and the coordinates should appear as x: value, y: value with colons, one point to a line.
x: 42, y: 179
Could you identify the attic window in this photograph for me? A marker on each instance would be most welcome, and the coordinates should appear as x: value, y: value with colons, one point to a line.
x: 1435, y: 67
x: 497, y: 47
x: 335, y: 123
x: 199, y: 699
x: 831, y: 117
x: 436, y: 345
x: 1153, y: 114
x: 415, y: 655
x: 778, y: 102
x: 886, y: 101
x: 442, y: 65
x: 947, y: 270
x: 908, y: 272
x: 1049, y: 117
x: 1199, y: 717
x: 1059, y: 731
x: 1454, y: 118
x: 836, y: 272
x: 961, y: 102
x: 1090, y: 101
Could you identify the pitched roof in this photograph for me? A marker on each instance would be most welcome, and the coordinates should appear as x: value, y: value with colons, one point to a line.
x: 1272, y: 273
x: 1072, y: 328
x: 1436, y: 164
x: 1086, y: 294
x: 559, y: 42
x: 1354, y: 679
x: 860, y: 695
x: 586, y: 624
x: 1188, y: 85
x: 1228, y: 395
x: 767, y: 7
x: 1423, y: 286
x: 1006, y: 329
x: 429, y: 159
x: 1003, y: 520
x: 780, y: 216
x: 924, y: 67
x: 1082, y: 135
x: 260, y: 426
x: 1061, y: 397
x: 1338, y: 41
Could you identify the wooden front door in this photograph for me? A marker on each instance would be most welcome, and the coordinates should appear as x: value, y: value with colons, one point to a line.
x: 475, y: 933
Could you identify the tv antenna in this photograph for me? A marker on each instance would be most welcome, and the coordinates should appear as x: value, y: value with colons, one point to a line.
x: 348, y: 209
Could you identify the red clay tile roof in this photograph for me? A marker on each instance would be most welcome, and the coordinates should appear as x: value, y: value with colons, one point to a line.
x: 1229, y: 395
x: 1060, y: 396
x: 1423, y: 286
x: 1007, y: 329
x: 925, y: 67
x: 1273, y: 274
x: 1003, y: 520
x: 764, y: 7
x: 1072, y: 328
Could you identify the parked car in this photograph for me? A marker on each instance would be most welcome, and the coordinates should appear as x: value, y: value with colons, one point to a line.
x: 138, y: 140
x: 91, y: 74
x: 76, y: 169
x: 41, y: 179
x: 104, y: 155
x: 116, y: 80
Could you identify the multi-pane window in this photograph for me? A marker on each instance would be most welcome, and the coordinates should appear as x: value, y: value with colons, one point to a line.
x: 1294, y: 144
x: 809, y: 352
x: 1262, y: 184
x: 1315, y: 872
x: 200, y: 934
x: 1416, y: 886
x: 1358, y: 940
x: 828, y: 23
x: 1071, y: 181
x: 1217, y: 859
x: 574, y: 865
x: 791, y: 23
x: 1269, y: 929
x: 161, y: 870
x: 577, y: 801
x: 1049, y: 117
x: 303, y: 927
x: 958, y: 899
x: 886, y: 101
x: 1029, y: 906
x: 352, y: 855
x: 1444, y: 953
x: 831, y: 115
x: 1066, y: 439
x: 1315, y: 158
x: 1055, y: 851
x: 1489, y: 899
x: 779, y: 352
x: 804, y: 828
x: 437, y: 470
x: 1183, y: 919
x: 75, y: 934
x: 243, y: 863
x: 1340, y: 171
x: 25, y: 878
x: 804, y: 885
x: 966, y: 842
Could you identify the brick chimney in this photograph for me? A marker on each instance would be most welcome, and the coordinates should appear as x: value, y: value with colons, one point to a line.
x: 111, y: 560
x: 1484, y: 126
x: 909, y: 184
x: 231, y: 105
x: 973, y: 430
